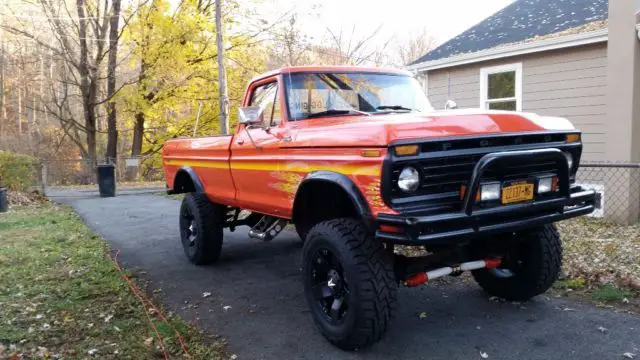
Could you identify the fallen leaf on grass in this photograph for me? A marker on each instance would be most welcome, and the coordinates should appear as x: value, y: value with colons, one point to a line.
x: 148, y: 341
x: 108, y: 318
x: 92, y: 352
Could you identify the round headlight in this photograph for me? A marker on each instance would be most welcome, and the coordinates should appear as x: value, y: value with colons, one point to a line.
x: 409, y: 179
x: 569, y: 160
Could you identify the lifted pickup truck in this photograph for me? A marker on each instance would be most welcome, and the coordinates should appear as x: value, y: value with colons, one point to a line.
x: 357, y: 160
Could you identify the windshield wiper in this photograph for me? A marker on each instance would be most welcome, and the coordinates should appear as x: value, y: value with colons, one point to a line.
x: 331, y: 112
x: 394, y: 107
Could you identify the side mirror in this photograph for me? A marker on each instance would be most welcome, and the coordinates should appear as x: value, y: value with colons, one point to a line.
x: 450, y: 104
x: 251, y: 115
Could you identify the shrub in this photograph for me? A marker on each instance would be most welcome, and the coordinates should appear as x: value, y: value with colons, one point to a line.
x: 18, y: 172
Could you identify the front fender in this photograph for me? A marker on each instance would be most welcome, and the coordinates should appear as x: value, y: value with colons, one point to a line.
x: 345, y: 183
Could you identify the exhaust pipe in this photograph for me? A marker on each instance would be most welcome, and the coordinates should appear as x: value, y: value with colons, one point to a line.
x: 423, y: 277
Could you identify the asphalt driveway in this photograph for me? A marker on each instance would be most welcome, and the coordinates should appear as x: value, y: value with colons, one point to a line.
x: 256, y: 300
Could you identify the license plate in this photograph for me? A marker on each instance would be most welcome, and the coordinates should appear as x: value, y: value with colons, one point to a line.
x: 517, y: 192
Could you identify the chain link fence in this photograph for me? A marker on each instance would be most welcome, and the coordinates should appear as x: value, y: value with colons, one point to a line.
x: 79, y: 172
x: 619, y: 187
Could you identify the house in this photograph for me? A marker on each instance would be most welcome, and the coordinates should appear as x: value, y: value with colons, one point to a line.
x: 578, y: 59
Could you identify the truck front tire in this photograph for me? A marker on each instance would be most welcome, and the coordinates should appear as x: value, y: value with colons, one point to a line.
x: 201, y: 225
x: 528, y: 270
x: 349, y: 283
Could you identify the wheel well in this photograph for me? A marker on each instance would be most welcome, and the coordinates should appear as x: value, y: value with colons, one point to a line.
x: 183, y: 183
x: 320, y: 201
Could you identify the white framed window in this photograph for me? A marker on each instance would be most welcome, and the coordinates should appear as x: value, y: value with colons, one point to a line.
x: 501, y: 87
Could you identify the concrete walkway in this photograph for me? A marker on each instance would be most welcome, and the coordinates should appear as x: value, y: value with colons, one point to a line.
x: 268, y: 318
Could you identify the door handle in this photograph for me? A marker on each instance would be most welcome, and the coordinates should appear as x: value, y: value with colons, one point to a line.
x: 240, y: 142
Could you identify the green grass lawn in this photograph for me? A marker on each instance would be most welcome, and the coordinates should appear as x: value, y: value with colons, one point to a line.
x: 61, y: 296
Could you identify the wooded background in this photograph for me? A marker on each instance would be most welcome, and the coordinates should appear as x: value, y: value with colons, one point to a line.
x: 98, y: 80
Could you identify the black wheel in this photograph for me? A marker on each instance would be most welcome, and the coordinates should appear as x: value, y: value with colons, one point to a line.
x: 201, y: 224
x: 349, y: 283
x: 528, y: 269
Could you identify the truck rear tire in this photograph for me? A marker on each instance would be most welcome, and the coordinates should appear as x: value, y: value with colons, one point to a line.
x: 349, y: 283
x: 201, y: 225
x: 528, y: 270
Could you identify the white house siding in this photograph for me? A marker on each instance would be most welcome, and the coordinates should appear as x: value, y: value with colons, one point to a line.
x: 568, y: 83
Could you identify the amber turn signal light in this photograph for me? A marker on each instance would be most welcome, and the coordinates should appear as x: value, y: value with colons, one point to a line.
x: 406, y: 150
x: 571, y: 138
x: 370, y: 153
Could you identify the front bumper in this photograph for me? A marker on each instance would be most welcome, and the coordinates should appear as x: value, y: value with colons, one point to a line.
x: 445, y: 228
x: 469, y: 222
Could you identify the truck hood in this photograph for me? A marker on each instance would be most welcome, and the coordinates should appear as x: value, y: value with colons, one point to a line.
x: 382, y: 130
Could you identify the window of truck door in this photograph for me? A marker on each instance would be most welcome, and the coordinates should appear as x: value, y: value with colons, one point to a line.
x: 266, y: 97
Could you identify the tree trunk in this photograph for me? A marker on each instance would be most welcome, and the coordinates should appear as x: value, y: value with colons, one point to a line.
x: 222, y: 75
x: 19, y: 112
x: 138, y: 130
x: 136, y: 146
x: 87, y: 86
x: 112, y: 130
x: 3, y: 104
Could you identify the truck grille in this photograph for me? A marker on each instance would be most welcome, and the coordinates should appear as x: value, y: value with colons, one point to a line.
x: 444, y: 172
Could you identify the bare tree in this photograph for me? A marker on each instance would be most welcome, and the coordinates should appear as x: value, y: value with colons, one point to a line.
x: 112, y: 131
x: 291, y: 46
x: 3, y: 104
x: 414, y: 46
x: 356, y: 50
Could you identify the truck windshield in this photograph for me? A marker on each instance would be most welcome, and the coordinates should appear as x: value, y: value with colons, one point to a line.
x: 312, y: 95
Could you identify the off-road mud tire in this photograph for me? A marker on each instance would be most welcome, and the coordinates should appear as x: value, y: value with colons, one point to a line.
x: 368, y: 269
x: 540, y: 258
x: 208, y: 220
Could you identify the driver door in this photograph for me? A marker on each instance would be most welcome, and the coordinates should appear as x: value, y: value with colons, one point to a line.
x: 255, y: 152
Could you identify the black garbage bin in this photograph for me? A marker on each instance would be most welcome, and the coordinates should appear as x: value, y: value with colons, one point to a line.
x: 107, y: 180
x: 4, y: 202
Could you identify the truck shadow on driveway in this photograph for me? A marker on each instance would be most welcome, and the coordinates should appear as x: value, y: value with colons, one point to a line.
x: 257, y: 303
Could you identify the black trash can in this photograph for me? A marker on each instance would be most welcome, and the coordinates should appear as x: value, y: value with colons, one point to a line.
x: 4, y: 202
x: 107, y: 180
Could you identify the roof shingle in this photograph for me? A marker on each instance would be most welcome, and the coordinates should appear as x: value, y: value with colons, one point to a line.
x: 520, y: 21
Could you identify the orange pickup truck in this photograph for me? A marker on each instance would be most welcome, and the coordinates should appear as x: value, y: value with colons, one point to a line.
x: 358, y: 161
